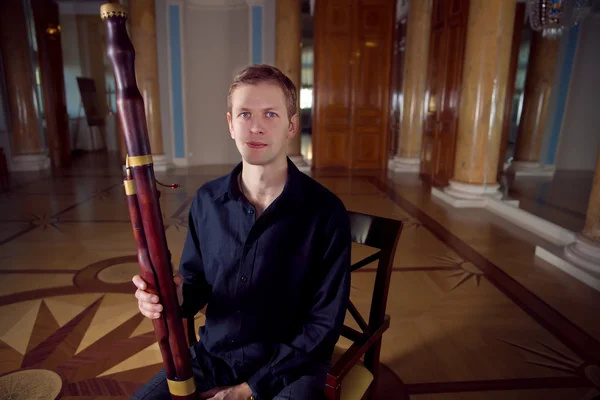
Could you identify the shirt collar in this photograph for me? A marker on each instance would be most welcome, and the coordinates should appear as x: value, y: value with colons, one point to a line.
x: 292, y: 191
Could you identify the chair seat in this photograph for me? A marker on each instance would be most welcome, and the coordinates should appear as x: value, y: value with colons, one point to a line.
x: 357, y: 381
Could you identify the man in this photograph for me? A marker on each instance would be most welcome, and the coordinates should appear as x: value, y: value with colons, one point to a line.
x: 268, y: 252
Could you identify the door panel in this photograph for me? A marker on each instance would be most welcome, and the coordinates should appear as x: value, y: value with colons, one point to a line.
x: 435, y: 77
x: 396, y: 85
x: 443, y: 87
x: 352, y: 59
x: 333, y: 108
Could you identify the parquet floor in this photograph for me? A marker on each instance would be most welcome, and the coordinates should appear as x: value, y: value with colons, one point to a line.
x: 474, y: 315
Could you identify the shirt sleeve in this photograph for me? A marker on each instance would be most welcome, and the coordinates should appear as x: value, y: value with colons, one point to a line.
x: 196, y: 290
x: 321, y: 330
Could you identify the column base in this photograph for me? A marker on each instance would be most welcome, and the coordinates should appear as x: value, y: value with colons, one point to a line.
x: 462, y: 195
x: 529, y: 168
x: 300, y: 163
x: 584, y: 253
x: 580, y: 259
x: 405, y: 164
x: 30, y: 162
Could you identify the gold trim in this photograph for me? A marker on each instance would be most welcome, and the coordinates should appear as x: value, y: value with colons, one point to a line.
x: 182, y: 388
x: 129, y: 186
x: 111, y: 10
x: 138, y: 161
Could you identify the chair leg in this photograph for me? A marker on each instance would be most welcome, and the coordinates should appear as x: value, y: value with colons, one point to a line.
x: 372, y: 363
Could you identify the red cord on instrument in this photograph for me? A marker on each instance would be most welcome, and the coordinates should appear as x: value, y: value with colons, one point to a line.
x: 173, y: 186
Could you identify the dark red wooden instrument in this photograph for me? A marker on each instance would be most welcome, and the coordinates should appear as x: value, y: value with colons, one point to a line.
x: 144, y: 207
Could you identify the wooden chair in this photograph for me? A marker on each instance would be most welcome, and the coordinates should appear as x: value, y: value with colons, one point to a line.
x: 355, y: 370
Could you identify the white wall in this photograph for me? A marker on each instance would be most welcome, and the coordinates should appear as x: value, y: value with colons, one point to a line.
x: 215, y: 47
x: 580, y: 134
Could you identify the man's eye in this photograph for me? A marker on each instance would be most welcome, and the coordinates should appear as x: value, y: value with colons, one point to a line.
x: 245, y: 115
x: 271, y: 114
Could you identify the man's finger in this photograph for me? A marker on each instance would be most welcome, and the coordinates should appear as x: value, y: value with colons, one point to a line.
x: 154, y: 308
x: 139, y: 282
x: 178, y: 279
x: 146, y: 297
x: 210, y: 393
x: 149, y: 314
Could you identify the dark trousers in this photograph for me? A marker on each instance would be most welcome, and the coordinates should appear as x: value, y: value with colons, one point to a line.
x: 305, y: 388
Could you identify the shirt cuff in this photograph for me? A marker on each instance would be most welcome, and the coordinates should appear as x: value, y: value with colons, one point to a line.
x: 264, y: 384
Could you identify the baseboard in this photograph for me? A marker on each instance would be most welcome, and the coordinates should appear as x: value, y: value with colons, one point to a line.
x: 558, y: 259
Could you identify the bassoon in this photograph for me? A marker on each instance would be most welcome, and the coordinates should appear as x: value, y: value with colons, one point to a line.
x: 153, y: 254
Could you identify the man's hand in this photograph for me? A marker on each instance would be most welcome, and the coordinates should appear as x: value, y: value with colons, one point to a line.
x: 147, y: 302
x: 239, y: 392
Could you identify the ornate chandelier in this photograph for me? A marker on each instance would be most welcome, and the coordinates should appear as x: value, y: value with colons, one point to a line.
x: 553, y: 17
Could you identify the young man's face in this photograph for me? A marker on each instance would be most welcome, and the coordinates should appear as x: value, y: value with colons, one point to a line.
x: 259, y: 123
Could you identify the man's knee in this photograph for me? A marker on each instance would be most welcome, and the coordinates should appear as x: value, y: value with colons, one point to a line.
x: 155, y: 389
x: 305, y: 388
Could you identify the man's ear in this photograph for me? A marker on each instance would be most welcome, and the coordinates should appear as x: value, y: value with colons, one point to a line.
x: 230, y: 125
x: 293, y: 128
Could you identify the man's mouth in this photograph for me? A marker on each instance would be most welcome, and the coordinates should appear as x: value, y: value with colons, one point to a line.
x: 256, y: 145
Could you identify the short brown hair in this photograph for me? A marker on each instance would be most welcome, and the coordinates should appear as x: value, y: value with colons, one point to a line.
x: 266, y: 73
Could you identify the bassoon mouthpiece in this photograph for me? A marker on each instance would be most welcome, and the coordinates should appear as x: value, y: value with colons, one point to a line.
x: 113, y: 10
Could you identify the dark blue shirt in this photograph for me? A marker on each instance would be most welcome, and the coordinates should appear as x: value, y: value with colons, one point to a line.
x: 276, y: 287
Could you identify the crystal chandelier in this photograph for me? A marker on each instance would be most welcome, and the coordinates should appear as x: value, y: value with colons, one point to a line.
x: 553, y: 17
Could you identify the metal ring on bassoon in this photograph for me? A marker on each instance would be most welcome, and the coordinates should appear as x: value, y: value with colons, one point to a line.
x: 182, y: 388
x: 129, y: 186
x: 138, y: 161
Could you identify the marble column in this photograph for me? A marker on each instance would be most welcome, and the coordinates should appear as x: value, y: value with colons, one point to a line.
x: 486, y: 67
x: 142, y: 20
x: 27, y: 150
x: 536, y: 99
x: 407, y: 158
x: 288, y: 52
x: 585, y: 251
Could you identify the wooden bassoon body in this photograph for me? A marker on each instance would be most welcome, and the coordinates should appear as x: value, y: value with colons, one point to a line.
x: 144, y: 208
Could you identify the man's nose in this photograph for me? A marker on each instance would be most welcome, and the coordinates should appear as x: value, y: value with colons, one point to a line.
x: 256, y: 126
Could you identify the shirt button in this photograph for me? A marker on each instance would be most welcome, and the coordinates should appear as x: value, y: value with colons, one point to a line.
x: 250, y: 211
x: 244, y: 279
x: 238, y: 364
x: 238, y: 312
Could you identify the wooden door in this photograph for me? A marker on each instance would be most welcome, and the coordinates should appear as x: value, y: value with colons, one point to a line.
x: 332, y: 84
x: 352, y: 72
x: 396, y: 84
x: 444, y: 80
x: 48, y: 36
x: 370, y: 101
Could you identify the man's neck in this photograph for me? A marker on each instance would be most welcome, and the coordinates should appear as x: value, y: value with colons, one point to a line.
x: 263, y: 184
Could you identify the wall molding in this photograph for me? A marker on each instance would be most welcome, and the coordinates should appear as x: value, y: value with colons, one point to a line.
x: 256, y: 30
x: 176, y: 72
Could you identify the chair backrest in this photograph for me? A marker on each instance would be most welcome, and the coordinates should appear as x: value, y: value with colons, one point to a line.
x: 383, y: 234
